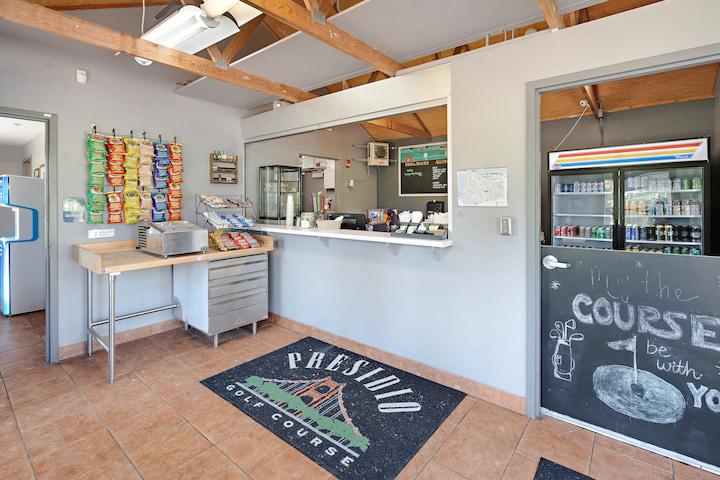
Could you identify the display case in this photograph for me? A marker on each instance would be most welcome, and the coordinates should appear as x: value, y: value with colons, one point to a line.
x: 583, y: 209
x: 277, y: 183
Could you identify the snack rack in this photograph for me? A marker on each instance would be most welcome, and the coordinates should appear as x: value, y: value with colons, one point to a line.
x: 240, y: 205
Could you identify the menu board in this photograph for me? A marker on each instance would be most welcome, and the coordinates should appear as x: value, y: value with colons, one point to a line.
x: 423, y: 169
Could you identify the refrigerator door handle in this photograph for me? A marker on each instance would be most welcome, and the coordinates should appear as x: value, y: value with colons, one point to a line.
x: 9, y: 223
x: 551, y: 263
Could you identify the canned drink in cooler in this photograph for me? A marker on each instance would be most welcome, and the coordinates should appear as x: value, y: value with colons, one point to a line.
x: 642, y: 233
x: 676, y: 184
x: 686, y: 183
x: 557, y: 231
x: 697, y: 183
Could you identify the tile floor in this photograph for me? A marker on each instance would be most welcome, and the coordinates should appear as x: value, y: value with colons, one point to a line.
x: 156, y: 422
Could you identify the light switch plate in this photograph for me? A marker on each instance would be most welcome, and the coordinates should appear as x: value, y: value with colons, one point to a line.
x: 81, y: 75
x: 505, y: 226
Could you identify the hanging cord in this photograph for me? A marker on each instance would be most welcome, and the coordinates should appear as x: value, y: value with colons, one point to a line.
x: 573, y: 127
x: 142, y: 20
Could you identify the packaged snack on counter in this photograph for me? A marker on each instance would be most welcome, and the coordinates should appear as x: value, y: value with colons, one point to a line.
x: 96, y: 142
x: 159, y: 201
x: 116, y: 180
x: 114, y: 201
x: 115, y: 217
x: 222, y: 241
x: 174, y: 215
x: 158, y: 215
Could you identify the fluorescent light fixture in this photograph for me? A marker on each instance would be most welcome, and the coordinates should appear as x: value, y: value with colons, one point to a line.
x: 189, y: 31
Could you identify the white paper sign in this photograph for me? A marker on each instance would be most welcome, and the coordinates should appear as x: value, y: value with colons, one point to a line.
x: 482, y: 187
x: 101, y: 233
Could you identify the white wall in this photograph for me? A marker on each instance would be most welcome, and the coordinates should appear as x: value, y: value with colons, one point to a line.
x: 462, y: 310
x: 35, y: 149
x: 37, y: 72
x: 11, y: 160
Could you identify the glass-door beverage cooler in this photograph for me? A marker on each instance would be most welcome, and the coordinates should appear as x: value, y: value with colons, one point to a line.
x: 648, y: 197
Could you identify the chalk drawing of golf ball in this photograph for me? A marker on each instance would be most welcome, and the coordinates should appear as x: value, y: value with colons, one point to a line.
x: 651, y: 399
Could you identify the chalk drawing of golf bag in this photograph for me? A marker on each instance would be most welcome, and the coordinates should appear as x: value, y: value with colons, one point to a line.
x: 562, y: 359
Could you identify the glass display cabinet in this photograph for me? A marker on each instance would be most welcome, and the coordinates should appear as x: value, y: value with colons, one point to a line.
x: 277, y: 183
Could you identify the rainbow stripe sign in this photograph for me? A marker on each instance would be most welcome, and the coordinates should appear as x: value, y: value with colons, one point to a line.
x: 693, y: 150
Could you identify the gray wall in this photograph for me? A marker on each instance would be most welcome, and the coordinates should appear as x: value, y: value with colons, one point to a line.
x: 38, y: 73
x: 35, y: 149
x: 11, y: 159
x: 652, y: 124
x: 388, y: 190
x: 337, y: 143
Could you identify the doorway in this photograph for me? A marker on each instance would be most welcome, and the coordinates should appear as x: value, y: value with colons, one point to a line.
x: 628, y: 267
x: 27, y: 145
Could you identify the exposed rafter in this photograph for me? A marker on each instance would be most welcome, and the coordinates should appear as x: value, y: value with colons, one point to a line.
x: 301, y: 19
x: 420, y: 122
x: 74, y: 28
x: 590, y: 92
x: 390, y: 124
x: 95, y: 4
x: 240, y: 39
x: 552, y: 14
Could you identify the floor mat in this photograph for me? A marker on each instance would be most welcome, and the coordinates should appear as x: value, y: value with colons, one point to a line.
x: 548, y: 470
x: 357, y: 418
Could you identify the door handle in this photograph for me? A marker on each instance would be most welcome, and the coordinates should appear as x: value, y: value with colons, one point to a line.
x: 551, y: 263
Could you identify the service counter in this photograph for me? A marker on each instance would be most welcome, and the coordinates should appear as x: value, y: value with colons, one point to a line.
x: 356, y: 235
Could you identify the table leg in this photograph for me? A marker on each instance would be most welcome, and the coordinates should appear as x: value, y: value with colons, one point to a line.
x: 89, y: 313
x: 111, y: 327
x: 254, y: 328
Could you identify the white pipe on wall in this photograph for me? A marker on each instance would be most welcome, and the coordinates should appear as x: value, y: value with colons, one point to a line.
x: 241, y: 12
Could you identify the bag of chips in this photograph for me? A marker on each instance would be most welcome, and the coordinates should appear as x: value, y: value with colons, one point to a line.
x: 132, y: 146
x: 161, y: 150
x: 132, y: 215
x: 145, y: 216
x: 161, y: 171
x: 115, y: 145
x: 114, y: 201
x: 115, y: 217
x: 146, y: 181
x: 131, y: 186
x: 96, y: 156
x: 97, y: 180
x: 116, y: 159
x: 146, y: 148
x: 131, y: 161
x: 175, y: 215
x: 132, y: 199
x: 160, y: 183
x: 159, y: 201
x: 96, y: 196
x: 174, y: 190
x: 158, y: 215
x: 96, y: 213
x: 97, y: 168
x: 115, y: 169
x: 174, y: 204
x: 131, y: 174
x: 96, y: 142
x: 175, y: 168
x: 145, y: 200
x: 162, y: 162
x: 116, y: 180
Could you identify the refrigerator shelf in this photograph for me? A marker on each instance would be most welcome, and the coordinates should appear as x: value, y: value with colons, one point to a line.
x: 585, y: 238
x: 663, y: 216
x: 595, y: 215
x: 658, y: 242
x: 583, y: 193
x: 636, y: 192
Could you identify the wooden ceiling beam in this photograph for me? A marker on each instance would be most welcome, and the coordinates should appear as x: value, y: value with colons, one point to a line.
x: 301, y: 19
x: 95, y: 4
x: 420, y: 122
x: 240, y: 39
x: 390, y: 124
x: 74, y: 28
x: 552, y: 14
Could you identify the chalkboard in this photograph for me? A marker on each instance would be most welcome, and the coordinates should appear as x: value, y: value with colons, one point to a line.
x: 423, y: 169
x: 631, y: 343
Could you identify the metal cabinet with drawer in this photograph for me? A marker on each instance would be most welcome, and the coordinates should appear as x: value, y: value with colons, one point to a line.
x: 222, y: 295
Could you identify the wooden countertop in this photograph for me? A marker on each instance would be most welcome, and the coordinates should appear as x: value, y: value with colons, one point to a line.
x: 122, y: 256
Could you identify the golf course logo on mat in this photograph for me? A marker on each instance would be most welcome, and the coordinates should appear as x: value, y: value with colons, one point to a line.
x: 358, y: 418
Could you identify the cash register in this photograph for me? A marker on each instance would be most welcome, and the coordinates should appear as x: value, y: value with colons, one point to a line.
x: 351, y: 221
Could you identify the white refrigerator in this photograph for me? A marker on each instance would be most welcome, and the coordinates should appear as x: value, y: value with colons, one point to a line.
x: 22, y: 244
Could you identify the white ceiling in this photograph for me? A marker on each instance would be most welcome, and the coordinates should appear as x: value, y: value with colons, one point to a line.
x: 402, y: 29
x: 16, y: 132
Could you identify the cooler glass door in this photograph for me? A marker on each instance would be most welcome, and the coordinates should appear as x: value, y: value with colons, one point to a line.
x: 583, y: 210
x: 663, y: 210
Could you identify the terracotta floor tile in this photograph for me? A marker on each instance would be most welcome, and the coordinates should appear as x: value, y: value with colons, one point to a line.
x: 633, y: 452
x: 34, y: 376
x: 139, y: 429
x: 203, y: 354
x: 686, y: 472
x: 17, y: 472
x: 77, y: 457
x: 435, y: 471
x: 211, y: 464
x: 461, y: 410
x: 278, y: 336
x: 426, y: 452
x: 216, y: 366
x: 162, y: 368
x: 11, y: 451
x: 168, y: 451
x: 221, y: 422
x: 170, y: 386
x: 46, y: 412
x: 48, y: 436
x: 610, y: 465
x: 127, y: 386
x: 61, y: 387
x: 24, y: 353
x: 558, y: 441
x: 239, y: 343
x: 520, y: 468
x: 289, y: 465
x: 257, y: 350
x: 473, y: 457
x: 22, y: 365
x: 170, y: 336
x: 495, y: 424
x: 253, y: 447
x: 184, y: 345
x: 135, y: 360
x: 87, y: 370
x: 120, y: 469
x: 7, y: 417
x: 195, y: 398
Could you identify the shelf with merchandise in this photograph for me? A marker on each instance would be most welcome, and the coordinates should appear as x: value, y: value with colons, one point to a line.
x: 224, y: 212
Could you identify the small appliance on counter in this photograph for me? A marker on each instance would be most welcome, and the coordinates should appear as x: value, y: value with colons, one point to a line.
x: 172, y: 238
x: 350, y: 221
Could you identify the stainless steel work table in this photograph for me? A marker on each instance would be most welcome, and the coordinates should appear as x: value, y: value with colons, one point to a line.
x: 113, y: 258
